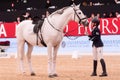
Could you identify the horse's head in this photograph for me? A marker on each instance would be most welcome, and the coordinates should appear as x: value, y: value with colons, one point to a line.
x: 79, y: 15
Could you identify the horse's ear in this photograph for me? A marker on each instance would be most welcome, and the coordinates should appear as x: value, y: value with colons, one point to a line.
x: 73, y: 5
x: 78, y: 5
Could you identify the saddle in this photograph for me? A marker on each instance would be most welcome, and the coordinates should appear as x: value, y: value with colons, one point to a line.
x: 37, y: 26
x: 36, y: 29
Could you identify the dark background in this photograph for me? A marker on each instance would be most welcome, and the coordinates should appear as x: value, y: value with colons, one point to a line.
x: 38, y: 7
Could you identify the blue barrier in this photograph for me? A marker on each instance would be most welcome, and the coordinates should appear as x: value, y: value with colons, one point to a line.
x: 71, y: 44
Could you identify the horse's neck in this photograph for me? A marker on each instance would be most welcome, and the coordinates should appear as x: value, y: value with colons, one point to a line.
x: 62, y: 20
x: 67, y: 16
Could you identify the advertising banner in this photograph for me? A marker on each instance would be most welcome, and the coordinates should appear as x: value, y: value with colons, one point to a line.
x: 108, y: 26
x: 7, y: 30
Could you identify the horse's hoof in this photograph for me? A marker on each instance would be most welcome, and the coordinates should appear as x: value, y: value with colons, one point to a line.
x: 51, y: 76
x: 55, y: 75
x: 23, y: 73
x: 32, y: 74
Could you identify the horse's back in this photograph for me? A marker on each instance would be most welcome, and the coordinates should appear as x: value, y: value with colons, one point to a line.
x: 24, y: 23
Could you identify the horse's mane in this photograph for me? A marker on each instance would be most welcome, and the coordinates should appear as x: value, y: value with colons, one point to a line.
x: 60, y: 11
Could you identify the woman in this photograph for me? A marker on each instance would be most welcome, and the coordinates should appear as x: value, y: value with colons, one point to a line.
x: 97, y: 47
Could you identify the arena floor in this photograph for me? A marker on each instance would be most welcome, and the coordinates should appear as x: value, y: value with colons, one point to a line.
x: 67, y: 68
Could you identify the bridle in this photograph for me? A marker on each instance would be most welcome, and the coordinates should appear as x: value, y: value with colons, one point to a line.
x: 80, y: 20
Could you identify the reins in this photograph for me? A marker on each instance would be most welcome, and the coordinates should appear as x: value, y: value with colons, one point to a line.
x: 53, y: 26
x: 75, y: 28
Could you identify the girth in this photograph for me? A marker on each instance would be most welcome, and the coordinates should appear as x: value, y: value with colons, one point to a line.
x: 36, y: 30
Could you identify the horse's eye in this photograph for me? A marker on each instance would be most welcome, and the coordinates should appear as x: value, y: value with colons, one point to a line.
x: 79, y: 13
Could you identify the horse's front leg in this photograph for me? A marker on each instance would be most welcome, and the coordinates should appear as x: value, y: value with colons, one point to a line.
x: 30, y: 48
x: 49, y: 50
x: 54, y: 61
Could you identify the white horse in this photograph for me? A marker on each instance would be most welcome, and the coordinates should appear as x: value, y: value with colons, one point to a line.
x: 52, y: 34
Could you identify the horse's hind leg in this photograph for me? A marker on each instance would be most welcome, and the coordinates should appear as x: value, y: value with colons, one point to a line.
x: 54, y: 61
x: 30, y: 48
x: 21, y: 54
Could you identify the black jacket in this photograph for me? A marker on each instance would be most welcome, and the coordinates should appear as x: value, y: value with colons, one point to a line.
x: 96, y: 37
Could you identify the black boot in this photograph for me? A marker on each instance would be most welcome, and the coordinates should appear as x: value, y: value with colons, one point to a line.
x: 103, y: 68
x: 94, y: 68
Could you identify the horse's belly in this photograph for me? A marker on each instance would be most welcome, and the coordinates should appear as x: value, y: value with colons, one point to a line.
x: 29, y: 36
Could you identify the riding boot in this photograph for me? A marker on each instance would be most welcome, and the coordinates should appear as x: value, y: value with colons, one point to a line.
x: 94, y: 68
x: 103, y: 68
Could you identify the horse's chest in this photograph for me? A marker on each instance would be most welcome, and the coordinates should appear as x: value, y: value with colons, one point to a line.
x: 57, y: 39
x: 54, y: 39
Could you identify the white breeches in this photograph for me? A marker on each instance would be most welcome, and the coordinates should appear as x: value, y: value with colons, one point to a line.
x: 97, y: 53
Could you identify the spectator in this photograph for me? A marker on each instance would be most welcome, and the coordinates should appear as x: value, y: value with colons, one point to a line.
x: 27, y: 14
x: 18, y: 20
x: 47, y: 14
x: 91, y: 4
x: 13, y: 7
x: 98, y: 15
x: 71, y: 2
x: 117, y: 1
x: 43, y: 17
x: 22, y: 17
x: 29, y: 17
x: 104, y: 15
x: 48, y: 4
x: 84, y: 3
x: 111, y: 15
x: 117, y: 14
x: 35, y: 19
x: 92, y: 16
